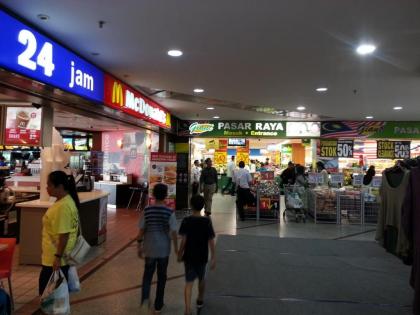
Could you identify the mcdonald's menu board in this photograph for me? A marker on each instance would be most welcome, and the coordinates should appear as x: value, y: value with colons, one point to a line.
x: 336, y: 148
x: 393, y: 149
x: 121, y: 97
x: 23, y: 126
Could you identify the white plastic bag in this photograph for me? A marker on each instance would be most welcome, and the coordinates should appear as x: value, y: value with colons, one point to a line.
x: 74, y: 283
x: 55, y: 298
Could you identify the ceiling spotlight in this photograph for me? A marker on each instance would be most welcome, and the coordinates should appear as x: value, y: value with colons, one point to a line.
x: 216, y: 117
x: 198, y: 90
x: 43, y: 17
x: 301, y: 108
x: 210, y: 108
x: 398, y: 108
x: 369, y: 117
x: 175, y: 53
x: 322, y: 89
x: 365, y: 49
x: 95, y: 54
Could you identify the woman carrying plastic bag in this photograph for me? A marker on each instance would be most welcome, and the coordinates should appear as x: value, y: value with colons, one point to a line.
x: 59, y: 236
x: 55, y: 298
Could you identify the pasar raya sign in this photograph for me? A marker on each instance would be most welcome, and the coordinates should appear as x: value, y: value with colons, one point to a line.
x: 120, y: 96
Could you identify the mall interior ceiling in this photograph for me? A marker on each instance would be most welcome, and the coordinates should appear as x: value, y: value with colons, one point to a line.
x: 273, y: 59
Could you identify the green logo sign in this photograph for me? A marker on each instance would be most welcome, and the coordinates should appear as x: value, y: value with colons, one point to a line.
x: 198, y: 129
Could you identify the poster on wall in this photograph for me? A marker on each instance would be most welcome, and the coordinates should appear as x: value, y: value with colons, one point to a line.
x: 242, y: 154
x: 163, y: 170
x: 220, y: 157
x: 393, y: 149
x: 23, y: 126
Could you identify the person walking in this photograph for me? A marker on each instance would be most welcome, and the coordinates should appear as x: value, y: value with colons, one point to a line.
x: 156, y: 228
x: 229, y: 174
x: 325, y: 176
x: 208, y: 184
x: 197, y: 236
x: 243, y: 181
x: 196, y: 173
x: 288, y: 176
x: 59, y: 226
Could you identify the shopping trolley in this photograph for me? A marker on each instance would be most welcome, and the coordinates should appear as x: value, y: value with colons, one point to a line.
x: 296, y: 202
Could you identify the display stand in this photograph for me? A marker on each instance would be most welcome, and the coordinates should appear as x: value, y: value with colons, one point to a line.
x: 323, y: 205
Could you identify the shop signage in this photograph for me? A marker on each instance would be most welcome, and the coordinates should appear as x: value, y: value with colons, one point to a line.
x: 371, y: 129
x: 23, y: 126
x: 237, y: 129
x: 120, y: 96
x: 164, y: 170
x: 303, y: 129
x: 336, y: 148
x: 27, y: 52
x: 393, y: 149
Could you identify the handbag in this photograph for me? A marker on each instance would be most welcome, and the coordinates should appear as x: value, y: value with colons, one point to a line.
x: 80, y: 249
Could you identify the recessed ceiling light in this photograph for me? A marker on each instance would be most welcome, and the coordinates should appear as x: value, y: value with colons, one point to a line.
x: 43, y: 17
x: 322, y: 89
x: 369, y: 117
x: 210, y: 108
x: 365, y: 49
x: 175, y: 53
x: 398, y: 108
x: 301, y: 108
x: 198, y: 90
x: 216, y: 117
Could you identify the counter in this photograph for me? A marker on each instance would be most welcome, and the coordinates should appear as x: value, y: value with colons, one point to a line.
x: 93, y: 218
x: 119, y: 193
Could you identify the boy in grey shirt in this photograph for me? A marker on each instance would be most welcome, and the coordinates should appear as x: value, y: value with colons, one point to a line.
x: 156, y: 228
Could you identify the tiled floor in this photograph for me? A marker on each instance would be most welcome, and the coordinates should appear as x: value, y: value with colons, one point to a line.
x: 113, y: 268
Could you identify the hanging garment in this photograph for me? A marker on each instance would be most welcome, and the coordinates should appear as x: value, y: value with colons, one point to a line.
x: 389, y: 231
x: 411, y: 226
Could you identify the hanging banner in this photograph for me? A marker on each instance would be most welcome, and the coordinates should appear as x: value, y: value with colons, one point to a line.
x: 336, y: 148
x: 242, y: 154
x: 163, y: 170
x: 220, y: 157
x: 211, y: 144
x: 223, y: 144
x: 23, y: 126
x: 393, y: 149
x: 371, y: 129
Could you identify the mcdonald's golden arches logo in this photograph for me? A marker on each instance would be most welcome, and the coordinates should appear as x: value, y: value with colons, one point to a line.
x: 117, y: 94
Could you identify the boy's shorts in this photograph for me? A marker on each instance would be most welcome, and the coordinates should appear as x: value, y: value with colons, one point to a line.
x: 194, y: 271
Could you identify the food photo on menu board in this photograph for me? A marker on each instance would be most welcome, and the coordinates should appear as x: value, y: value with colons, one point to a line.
x: 163, y: 170
x: 23, y: 126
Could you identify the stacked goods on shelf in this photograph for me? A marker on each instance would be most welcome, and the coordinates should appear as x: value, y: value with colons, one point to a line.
x: 323, y: 204
x: 351, y: 205
x: 269, y: 198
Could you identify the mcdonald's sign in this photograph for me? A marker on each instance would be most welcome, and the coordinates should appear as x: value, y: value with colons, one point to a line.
x: 120, y: 96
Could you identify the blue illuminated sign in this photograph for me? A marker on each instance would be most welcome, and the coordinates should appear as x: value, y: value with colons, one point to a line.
x: 25, y: 51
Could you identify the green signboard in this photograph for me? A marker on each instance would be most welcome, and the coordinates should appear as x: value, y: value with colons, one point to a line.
x: 245, y: 129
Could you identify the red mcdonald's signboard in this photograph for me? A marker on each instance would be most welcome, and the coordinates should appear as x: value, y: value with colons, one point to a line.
x: 120, y: 96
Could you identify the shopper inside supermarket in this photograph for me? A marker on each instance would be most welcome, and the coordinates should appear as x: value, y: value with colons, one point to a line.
x: 280, y: 138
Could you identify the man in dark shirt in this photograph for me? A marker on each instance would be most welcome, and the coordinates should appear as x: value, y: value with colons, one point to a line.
x: 208, y: 184
x: 289, y: 175
x: 197, y: 236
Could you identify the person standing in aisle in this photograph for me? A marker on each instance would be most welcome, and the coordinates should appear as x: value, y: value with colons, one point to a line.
x: 196, y: 173
x: 288, y: 176
x: 243, y: 180
x: 325, y: 176
x: 230, y: 184
x: 156, y: 228
x: 208, y: 185
x: 197, y: 236
x: 59, y: 226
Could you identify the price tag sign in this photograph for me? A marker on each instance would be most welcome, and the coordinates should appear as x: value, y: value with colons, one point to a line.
x: 357, y: 180
x: 336, y: 148
x: 376, y: 181
x: 313, y: 178
x: 337, y: 178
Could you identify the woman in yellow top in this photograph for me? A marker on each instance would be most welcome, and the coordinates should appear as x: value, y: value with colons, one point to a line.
x: 59, y: 226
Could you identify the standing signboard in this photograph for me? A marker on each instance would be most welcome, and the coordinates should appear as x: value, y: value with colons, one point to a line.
x: 163, y: 170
